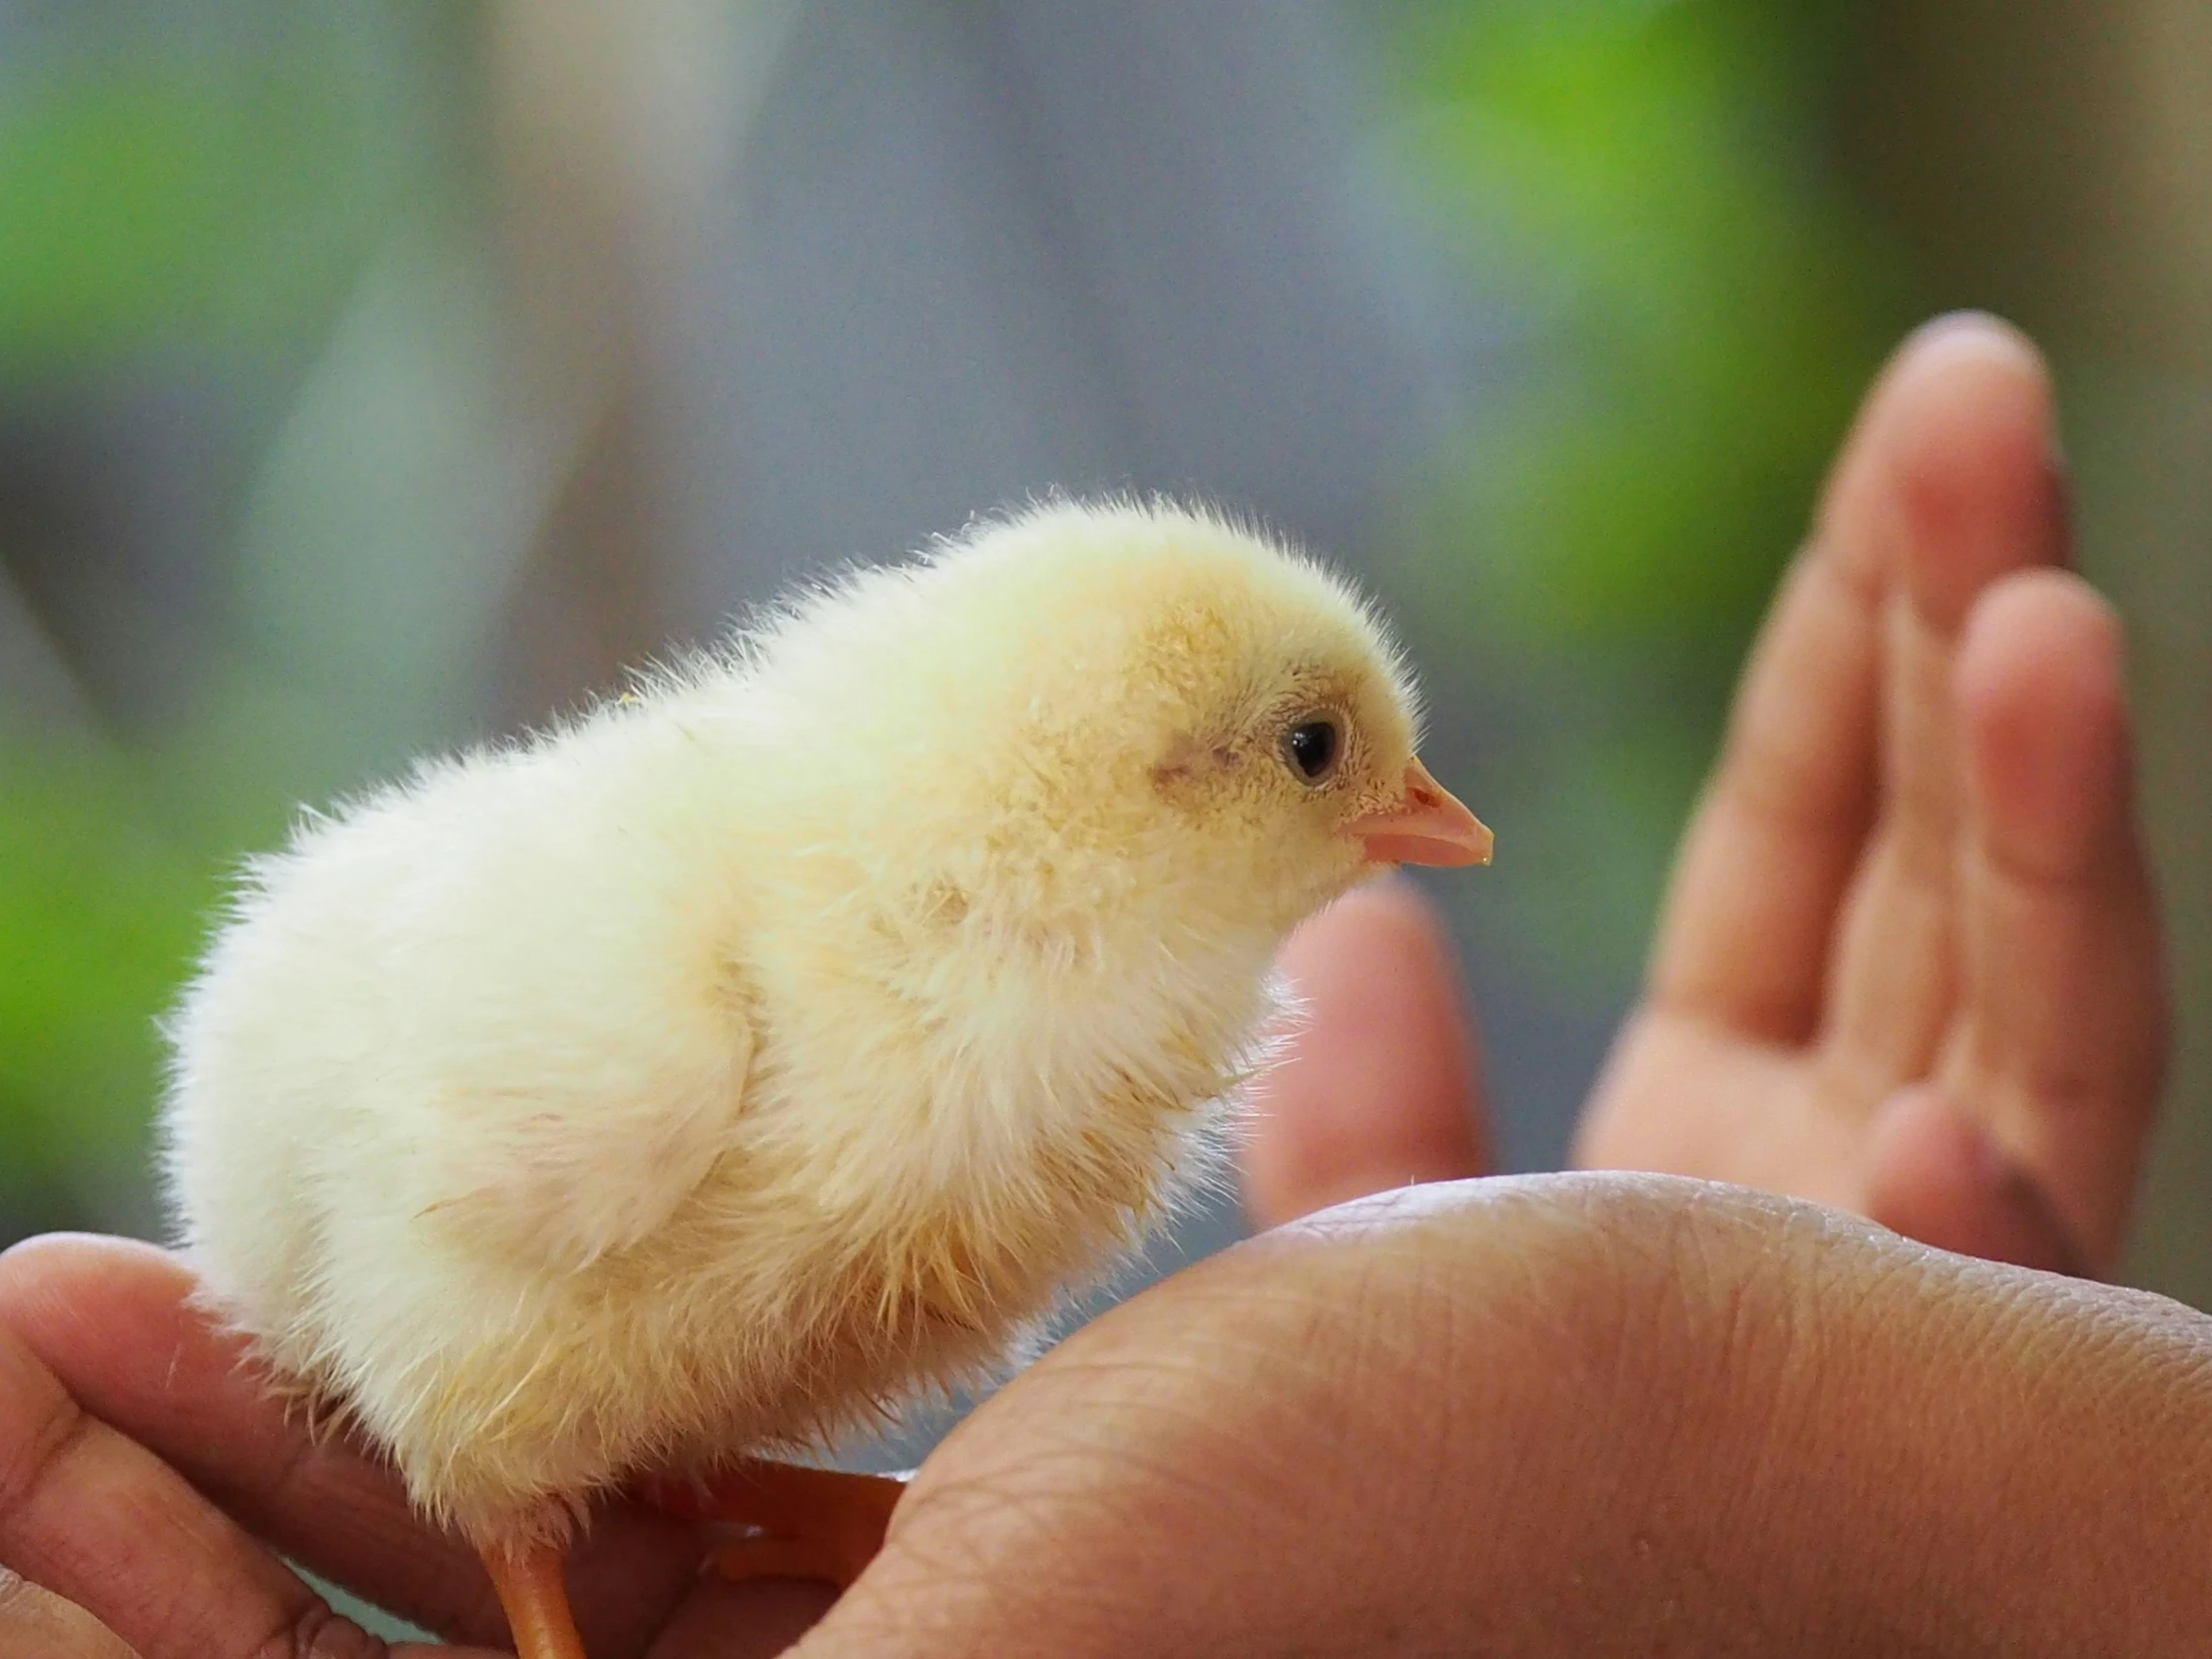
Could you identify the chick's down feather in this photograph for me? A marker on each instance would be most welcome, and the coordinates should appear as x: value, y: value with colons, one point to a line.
x: 706, y: 1073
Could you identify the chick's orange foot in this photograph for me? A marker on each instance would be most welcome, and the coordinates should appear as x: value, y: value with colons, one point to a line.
x: 823, y: 1524
x: 533, y: 1593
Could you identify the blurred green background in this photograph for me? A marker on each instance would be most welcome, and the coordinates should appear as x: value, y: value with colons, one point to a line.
x: 378, y: 376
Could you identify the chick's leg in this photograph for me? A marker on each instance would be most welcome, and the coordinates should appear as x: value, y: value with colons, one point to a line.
x: 534, y: 1594
x: 812, y: 1523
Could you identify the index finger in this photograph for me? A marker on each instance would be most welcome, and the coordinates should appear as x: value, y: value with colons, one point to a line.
x: 108, y: 1322
x: 92, y: 1516
x: 2063, y: 1044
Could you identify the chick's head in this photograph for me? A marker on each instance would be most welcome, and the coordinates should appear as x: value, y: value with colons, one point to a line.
x: 1270, y: 730
x: 1159, y: 713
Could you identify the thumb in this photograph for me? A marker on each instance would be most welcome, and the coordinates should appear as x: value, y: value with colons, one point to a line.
x: 1382, y: 1085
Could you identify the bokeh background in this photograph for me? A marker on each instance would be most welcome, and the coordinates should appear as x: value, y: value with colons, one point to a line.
x: 376, y: 375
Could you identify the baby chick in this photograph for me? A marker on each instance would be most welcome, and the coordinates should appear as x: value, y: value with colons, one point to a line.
x: 695, y: 1078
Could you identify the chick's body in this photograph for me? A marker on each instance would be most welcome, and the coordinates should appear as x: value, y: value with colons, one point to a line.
x: 697, y: 1077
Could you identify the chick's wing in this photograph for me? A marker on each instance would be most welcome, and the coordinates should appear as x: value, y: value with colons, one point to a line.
x: 582, y: 1067
x: 497, y: 1003
x: 561, y: 1168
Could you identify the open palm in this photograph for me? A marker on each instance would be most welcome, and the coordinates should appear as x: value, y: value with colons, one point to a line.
x: 1909, y: 964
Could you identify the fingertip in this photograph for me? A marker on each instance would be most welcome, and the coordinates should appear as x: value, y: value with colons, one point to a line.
x: 2041, y: 684
x: 1981, y: 332
x: 90, y: 1281
x: 1936, y: 1174
x: 2050, y: 621
x: 1968, y: 374
x: 67, y: 1252
x: 1374, y: 924
x: 1954, y: 469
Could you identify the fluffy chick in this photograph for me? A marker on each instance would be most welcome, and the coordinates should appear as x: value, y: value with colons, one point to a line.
x: 784, y: 1036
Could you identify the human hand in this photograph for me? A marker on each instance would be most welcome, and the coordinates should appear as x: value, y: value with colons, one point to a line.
x: 1910, y: 966
x: 107, y: 1510
x: 1571, y: 1415
x: 148, y: 1480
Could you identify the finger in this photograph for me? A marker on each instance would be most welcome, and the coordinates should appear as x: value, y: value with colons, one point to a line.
x: 2063, y: 1045
x: 1745, y: 935
x: 1945, y: 480
x: 103, y: 1521
x: 37, y: 1623
x: 1953, y: 475
x: 1961, y: 487
x: 1380, y: 1084
x: 1933, y: 1174
x: 110, y: 1319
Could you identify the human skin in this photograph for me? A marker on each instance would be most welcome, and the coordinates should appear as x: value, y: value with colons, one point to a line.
x: 1910, y: 966
x: 1576, y: 1415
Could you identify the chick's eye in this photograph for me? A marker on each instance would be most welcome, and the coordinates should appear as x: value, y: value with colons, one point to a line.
x: 1312, y: 747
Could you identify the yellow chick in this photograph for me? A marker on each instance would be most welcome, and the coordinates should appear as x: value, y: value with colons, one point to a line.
x: 693, y: 1079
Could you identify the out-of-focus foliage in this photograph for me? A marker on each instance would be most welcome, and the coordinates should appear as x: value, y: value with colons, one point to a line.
x: 159, y: 188
x: 137, y: 198
x: 1646, y: 186
x: 97, y: 911
x: 184, y: 201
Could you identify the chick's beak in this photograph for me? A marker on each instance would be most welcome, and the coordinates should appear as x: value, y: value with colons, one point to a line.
x: 1427, y: 826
